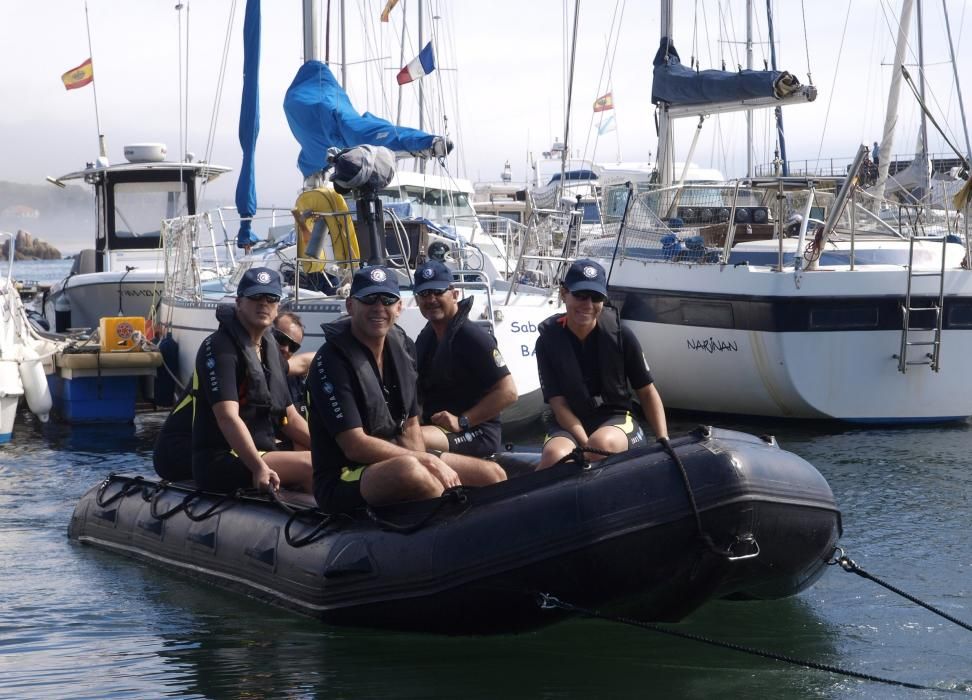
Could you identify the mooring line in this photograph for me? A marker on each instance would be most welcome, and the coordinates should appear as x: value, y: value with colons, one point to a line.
x: 547, y: 601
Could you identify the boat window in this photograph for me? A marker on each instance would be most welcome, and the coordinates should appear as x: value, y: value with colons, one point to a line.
x: 140, y: 206
x: 432, y: 204
x: 707, y: 313
x: 592, y: 214
x: 959, y: 316
x: 832, y: 318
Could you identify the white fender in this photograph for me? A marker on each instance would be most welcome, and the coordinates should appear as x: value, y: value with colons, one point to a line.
x: 10, y: 391
x: 36, y: 390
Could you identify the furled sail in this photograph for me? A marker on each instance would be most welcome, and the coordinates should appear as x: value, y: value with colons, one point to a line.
x: 676, y: 84
x: 321, y: 116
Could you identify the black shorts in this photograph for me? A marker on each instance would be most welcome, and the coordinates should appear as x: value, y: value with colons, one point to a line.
x: 341, y: 494
x: 221, y: 471
x: 475, y: 442
x: 625, y: 423
x: 172, y: 457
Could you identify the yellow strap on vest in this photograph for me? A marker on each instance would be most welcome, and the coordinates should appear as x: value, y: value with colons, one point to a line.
x: 308, y: 209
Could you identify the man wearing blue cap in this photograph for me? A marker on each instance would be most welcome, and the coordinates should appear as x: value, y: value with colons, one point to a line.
x: 366, y: 441
x: 586, y: 360
x: 241, y: 398
x: 463, y: 381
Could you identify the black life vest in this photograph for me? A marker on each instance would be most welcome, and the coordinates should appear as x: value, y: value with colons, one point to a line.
x: 560, y: 347
x: 273, y: 397
x: 377, y: 419
x: 435, y: 369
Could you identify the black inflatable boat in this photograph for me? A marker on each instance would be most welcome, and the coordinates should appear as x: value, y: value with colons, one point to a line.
x: 637, y: 533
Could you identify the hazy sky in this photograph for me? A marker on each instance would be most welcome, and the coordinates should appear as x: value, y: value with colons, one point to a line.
x: 500, y: 84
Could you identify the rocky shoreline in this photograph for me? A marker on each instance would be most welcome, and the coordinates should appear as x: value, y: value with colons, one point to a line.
x: 26, y: 247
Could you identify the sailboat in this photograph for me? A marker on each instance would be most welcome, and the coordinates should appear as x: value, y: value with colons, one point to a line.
x: 317, y: 268
x: 789, y: 297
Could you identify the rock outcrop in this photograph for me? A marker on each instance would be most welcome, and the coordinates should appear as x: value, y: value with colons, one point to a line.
x: 26, y: 247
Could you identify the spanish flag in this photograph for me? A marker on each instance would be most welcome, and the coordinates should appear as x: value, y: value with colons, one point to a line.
x: 604, y: 103
x: 78, y: 77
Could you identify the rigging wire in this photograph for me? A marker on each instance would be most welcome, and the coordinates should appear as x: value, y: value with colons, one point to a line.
x: 614, y: 34
x: 830, y: 100
x: 218, y: 98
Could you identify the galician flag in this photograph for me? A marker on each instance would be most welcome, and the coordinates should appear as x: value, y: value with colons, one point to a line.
x: 604, y: 103
x: 78, y: 77
x: 421, y: 65
x: 606, y: 126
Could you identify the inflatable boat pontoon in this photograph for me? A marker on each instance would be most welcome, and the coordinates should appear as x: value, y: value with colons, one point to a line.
x: 639, y: 533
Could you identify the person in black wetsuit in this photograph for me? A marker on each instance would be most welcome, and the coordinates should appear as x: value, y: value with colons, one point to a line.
x: 463, y: 381
x: 366, y: 440
x: 172, y: 456
x: 240, y: 385
x: 586, y: 360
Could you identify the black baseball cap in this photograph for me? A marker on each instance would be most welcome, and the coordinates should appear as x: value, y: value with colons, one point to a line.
x: 259, y: 280
x: 374, y: 280
x: 432, y: 274
x: 586, y: 275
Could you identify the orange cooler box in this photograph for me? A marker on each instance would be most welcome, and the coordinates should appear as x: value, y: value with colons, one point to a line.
x: 117, y: 331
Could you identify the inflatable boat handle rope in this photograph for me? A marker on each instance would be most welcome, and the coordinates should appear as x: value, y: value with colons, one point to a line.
x: 551, y: 602
x: 577, y: 455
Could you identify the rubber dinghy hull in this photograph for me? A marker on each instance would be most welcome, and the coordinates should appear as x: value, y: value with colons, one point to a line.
x: 620, y: 536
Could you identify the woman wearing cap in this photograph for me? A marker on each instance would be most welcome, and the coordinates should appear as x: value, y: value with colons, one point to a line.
x: 241, y: 395
x: 586, y: 361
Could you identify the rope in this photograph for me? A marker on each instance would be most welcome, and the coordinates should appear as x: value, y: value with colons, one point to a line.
x: 457, y: 494
x: 128, y: 489
x: 849, y: 565
x: 549, y: 602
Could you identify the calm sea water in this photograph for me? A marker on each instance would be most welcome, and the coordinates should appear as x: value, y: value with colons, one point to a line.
x: 79, y: 623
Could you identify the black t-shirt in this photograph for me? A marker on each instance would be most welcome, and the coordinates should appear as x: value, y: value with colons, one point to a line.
x: 334, y: 406
x: 476, y: 367
x: 635, y: 369
x: 221, y: 376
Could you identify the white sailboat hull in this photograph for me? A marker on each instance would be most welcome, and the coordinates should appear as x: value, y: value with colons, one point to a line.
x: 824, y: 344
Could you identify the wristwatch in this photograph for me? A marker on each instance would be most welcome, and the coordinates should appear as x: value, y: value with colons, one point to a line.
x: 463, y: 423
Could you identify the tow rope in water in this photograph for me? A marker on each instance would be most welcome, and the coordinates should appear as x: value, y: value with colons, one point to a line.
x: 550, y: 602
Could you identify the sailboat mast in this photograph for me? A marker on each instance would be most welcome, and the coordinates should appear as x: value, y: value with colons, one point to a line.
x: 891, y: 116
x: 958, y: 85
x: 925, y: 185
x: 749, y: 65
x: 663, y: 158
x: 570, y: 91
x: 311, y: 20
x: 778, y: 111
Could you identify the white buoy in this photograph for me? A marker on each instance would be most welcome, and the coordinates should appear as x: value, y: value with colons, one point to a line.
x: 36, y: 390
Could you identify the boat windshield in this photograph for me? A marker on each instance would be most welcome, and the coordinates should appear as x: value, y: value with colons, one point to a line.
x: 140, y: 206
x: 432, y: 204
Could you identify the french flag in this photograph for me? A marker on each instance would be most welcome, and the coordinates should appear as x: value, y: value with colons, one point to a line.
x: 423, y: 64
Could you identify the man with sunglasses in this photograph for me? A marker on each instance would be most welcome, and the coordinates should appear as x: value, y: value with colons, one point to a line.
x: 288, y: 331
x: 241, y: 398
x: 463, y: 381
x: 586, y: 360
x: 366, y: 441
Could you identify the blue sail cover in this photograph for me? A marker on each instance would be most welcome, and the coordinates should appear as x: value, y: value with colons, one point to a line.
x: 675, y: 84
x: 246, y: 198
x: 321, y: 116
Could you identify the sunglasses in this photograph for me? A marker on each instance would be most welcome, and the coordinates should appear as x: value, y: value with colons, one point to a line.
x: 595, y: 297
x: 269, y: 298
x: 285, y: 340
x: 372, y: 299
x: 426, y: 293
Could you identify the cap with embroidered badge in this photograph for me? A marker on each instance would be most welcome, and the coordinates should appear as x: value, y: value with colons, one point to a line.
x: 374, y: 280
x: 432, y: 274
x: 259, y: 280
x: 586, y: 275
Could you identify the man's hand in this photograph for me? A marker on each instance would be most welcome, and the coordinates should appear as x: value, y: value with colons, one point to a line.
x: 446, y: 475
x: 446, y: 420
x: 266, y: 480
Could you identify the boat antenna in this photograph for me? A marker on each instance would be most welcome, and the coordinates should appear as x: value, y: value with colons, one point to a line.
x: 102, y: 148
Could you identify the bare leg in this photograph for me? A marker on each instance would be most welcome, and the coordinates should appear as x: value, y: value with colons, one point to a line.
x: 434, y: 438
x: 293, y: 468
x: 610, y: 438
x: 473, y: 471
x: 398, y: 479
x: 554, y: 450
